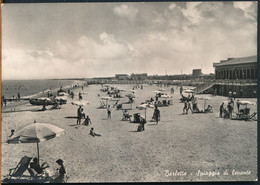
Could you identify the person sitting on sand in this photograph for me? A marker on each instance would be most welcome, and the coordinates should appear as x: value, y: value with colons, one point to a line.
x: 56, y: 106
x: 208, y: 109
x: 61, y: 171
x: 141, y: 125
x: 35, y: 166
x: 92, y: 133
x: 12, y: 132
x: 87, y: 121
x: 44, y: 108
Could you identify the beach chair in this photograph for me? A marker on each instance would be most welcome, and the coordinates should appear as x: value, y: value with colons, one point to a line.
x: 253, y: 116
x: 19, y: 170
x: 126, y: 116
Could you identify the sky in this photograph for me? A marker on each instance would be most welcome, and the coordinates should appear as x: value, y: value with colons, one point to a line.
x: 84, y: 40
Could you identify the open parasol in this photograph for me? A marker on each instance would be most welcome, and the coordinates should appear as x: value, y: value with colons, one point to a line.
x: 35, y: 133
x: 144, y: 106
x: 80, y: 103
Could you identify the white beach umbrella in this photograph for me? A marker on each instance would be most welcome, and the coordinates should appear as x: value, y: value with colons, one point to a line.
x: 63, y: 94
x: 35, y: 133
x: 245, y: 102
x: 106, y: 98
x: 188, y: 91
x: 44, y: 98
x: 157, y: 92
x: 80, y: 103
x: 166, y: 96
x: 61, y: 98
x: 205, y: 98
x: 161, y: 89
x: 144, y: 107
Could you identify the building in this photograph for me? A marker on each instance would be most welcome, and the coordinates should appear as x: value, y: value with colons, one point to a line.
x: 237, y: 68
x: 142, y: 76
x: 196, y: 73
x: 235, y: 75
x: 122, y: 76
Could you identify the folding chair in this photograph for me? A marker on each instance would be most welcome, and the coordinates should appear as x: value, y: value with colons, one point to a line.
x: 22, y: 166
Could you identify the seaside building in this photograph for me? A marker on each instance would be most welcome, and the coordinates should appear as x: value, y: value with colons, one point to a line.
x: 234, y: 75
x: 142, y: 76
x: 237, y: 68
x: 122, y: 76
x: 196, y: 73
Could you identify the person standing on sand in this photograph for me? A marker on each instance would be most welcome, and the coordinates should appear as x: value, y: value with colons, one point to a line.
x: 18, y: 95
x: 108, y: 112
x: 79, y: 114
x: 156, y: 114
x: 181, y: 89
x: 238, y: 105
x: 230, y: 109
x: 188, y: 107
x: 221, y: 109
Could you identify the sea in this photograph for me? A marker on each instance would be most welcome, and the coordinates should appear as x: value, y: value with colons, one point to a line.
x: 30, y: 88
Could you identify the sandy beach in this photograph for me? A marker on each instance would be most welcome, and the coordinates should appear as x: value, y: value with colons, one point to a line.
x: 193, y: 147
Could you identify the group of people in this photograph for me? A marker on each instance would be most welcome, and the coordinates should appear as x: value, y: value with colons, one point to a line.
x: 81, y: 115
x: 227, y: 112
x: 36, y: 170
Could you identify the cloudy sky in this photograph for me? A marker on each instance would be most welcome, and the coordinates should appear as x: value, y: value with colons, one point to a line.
x: 103, y: 39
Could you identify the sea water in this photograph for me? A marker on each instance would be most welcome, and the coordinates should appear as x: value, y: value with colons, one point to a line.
x: 27, y: 88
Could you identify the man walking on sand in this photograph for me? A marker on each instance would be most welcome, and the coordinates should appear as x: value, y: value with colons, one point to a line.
x: 79, y: 114
x: 108, y: 112
x: 156, y: 114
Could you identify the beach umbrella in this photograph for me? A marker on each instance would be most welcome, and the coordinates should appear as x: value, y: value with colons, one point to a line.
x: 106, y: 98
x: 35, y: 133
x: 61, y: 98
x: 161, y: 89
x: 166, y: 96
x: 80, y: 103
x: 119, y: 89
x: 130, y: 95
x: 245, y: 102
x: 63, y: 94
x: 44, y: 98
x: 205, y: 98
x: 144, y: 107
x: 188, y: 91
x: 157, y: 92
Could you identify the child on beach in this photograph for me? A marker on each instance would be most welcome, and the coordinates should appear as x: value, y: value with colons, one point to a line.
x: 87, y: 121
x: 92, y: 133
x: 61, y: 171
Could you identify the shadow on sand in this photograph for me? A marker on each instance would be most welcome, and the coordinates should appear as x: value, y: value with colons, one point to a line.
x: 71, y: 117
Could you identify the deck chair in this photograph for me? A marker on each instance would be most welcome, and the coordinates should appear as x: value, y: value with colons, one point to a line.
x: 253, y: 117
x: 22, y: 166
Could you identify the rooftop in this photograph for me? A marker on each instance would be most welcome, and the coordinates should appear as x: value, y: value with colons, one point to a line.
x: 240, y: 60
